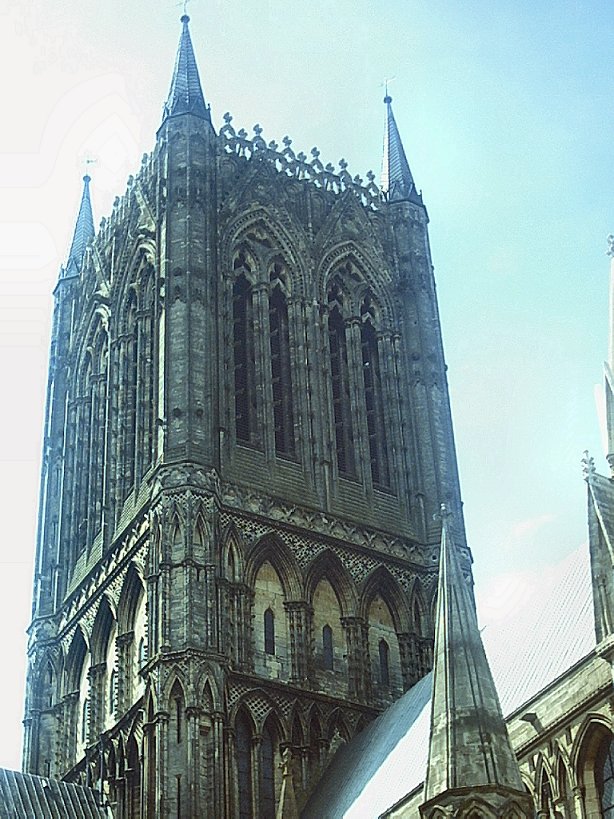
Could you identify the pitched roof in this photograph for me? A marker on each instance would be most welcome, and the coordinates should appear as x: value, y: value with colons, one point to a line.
x: 397, y: 181
x: 23, y: 796
x: 84, y: 231
x: 530, y: 649
x: 186, y: 94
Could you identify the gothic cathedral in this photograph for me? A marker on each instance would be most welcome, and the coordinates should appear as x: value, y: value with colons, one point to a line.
x: 247, y: 441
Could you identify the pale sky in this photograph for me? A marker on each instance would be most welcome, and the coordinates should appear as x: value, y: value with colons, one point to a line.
x: 506, y: 113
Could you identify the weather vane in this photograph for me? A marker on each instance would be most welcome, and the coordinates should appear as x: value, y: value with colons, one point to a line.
x: 88, y: 161
x: 184, y: 3
x: 385, y: 82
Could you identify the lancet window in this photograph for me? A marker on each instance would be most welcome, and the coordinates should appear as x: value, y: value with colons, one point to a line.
x: 327, y: 647
x: 374, y: 400
x: 267, y: 774
x: 281, y: 370
x: 269, y: 632
x: 244, y: 354
x: 340, y: 382
x: 243, y: 742
x: 384, y: 663
x: 605, y: 779
x: 128, y: 408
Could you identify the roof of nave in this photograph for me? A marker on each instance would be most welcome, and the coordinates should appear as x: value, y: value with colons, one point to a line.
x: 23, y: 796
x: 550, y: 629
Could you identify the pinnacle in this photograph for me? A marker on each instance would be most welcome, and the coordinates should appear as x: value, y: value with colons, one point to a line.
x: 186, y: 94
x: 397, y: 182
x: 84, y: 231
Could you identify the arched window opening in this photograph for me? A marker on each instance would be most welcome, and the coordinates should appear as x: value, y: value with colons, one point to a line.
x: 374, y: 400
x: 340, y: 383
x: 545, y: 796
x: 384, y: 663
x: 178, y: 719
x: 129, y: 394
x: 269, y: 632
x: 327, y: 647
x: 563, y: 781
x: 243, y: 741
x: 112, y: 693
x: 85, y: 718
x: 281, y: 373
x: 604, y: 770
x: 267, y: 775
x: 50, y: 684
x: 417, y: 619
x: 244, y: 362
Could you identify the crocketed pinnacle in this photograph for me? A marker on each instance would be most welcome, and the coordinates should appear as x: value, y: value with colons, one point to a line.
x: 84, y: 231
x: 397, y: 181
x: 185, y: 95
x: 469, y: 745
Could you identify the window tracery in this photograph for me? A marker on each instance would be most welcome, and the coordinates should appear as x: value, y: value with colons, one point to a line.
x: 605, y: 778
x: 340, y: 383
x: 281, y: 368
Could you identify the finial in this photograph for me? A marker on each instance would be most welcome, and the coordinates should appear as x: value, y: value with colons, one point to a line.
x: 588, y: 466
x: 610, y: 251
x: 184, y: 17
x: 387, y: 97
x: 443, y: 514
x: 87, y: 178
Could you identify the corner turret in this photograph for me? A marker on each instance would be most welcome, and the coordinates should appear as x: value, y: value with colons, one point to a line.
x: 186, y: 94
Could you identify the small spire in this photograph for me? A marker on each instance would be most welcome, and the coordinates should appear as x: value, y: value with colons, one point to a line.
x: 397, y: 182
x: 185, y: 95
x: 469, y: 746
x: 84, y: 231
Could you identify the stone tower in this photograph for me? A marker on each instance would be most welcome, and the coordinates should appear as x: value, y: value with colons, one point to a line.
x: 248, y: 436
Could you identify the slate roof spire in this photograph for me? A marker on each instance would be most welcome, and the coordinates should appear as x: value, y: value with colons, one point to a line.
x: 397, y: 182
x: 84, y: 231
x: 470, y: 754
x: 186, y: 94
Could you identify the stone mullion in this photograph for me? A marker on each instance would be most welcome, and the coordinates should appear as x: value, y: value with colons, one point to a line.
x: 114, y: 436
x: 256, y: 744
x: 362, y: 455
x: 211, y: 637
x: 409, y: 466
x: 140, y: 398
x: 409, y: 665
x: 124, y: 647
x: 299, y: 625
x: 264, y: 398
x: 68, y: 543
x: 194, y: 805
x: 97, y: 457
x: 97, y: 678
x: 219, y: 770
x: 301, y: 397
x: 392, y: 420
x: 122, y: 437
x: 359, y: 676
x: 247, y: 620
x: 162, y: 760
x: 68, y: 719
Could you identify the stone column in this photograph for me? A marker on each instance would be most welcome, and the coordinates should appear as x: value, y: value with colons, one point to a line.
x: 359, y: 672
x: 97, y: 678
x: 299, y: 618
x: 123, y: 650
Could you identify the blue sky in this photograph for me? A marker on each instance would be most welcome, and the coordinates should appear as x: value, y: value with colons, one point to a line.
x: 506, y: 112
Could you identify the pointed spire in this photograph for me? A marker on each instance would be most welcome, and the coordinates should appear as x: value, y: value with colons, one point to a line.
x: 397, y: 181
x: 470, y: 755
x: 84, y: 231
x: 185, y: 95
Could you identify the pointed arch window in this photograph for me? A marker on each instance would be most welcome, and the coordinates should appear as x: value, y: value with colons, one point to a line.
x: 281, y: 369
x: 269, y: 632
x: 327, y: 648
x: 85, y: 718
x: 112, y: 693
x: 243, y: 741
x: 244, y: 358
x: 374, y: 399
x: 605, y: 779
x: 267, y: 774
x: 340, y: 384
x: 384, y: 663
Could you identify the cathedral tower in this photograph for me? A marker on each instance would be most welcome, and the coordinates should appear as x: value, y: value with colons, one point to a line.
x: 248, y: 436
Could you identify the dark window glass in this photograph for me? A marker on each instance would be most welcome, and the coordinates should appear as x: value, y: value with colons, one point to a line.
x: 244, y: 361
x: 243, y: 738
x: 342, y: 410
x: 281, y: 375
x: 327, y: 647
x: 267, y: 776
x: 374, y: 404
x: 384, y: 663
x: 605, y: 778
x: 269, y: 632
